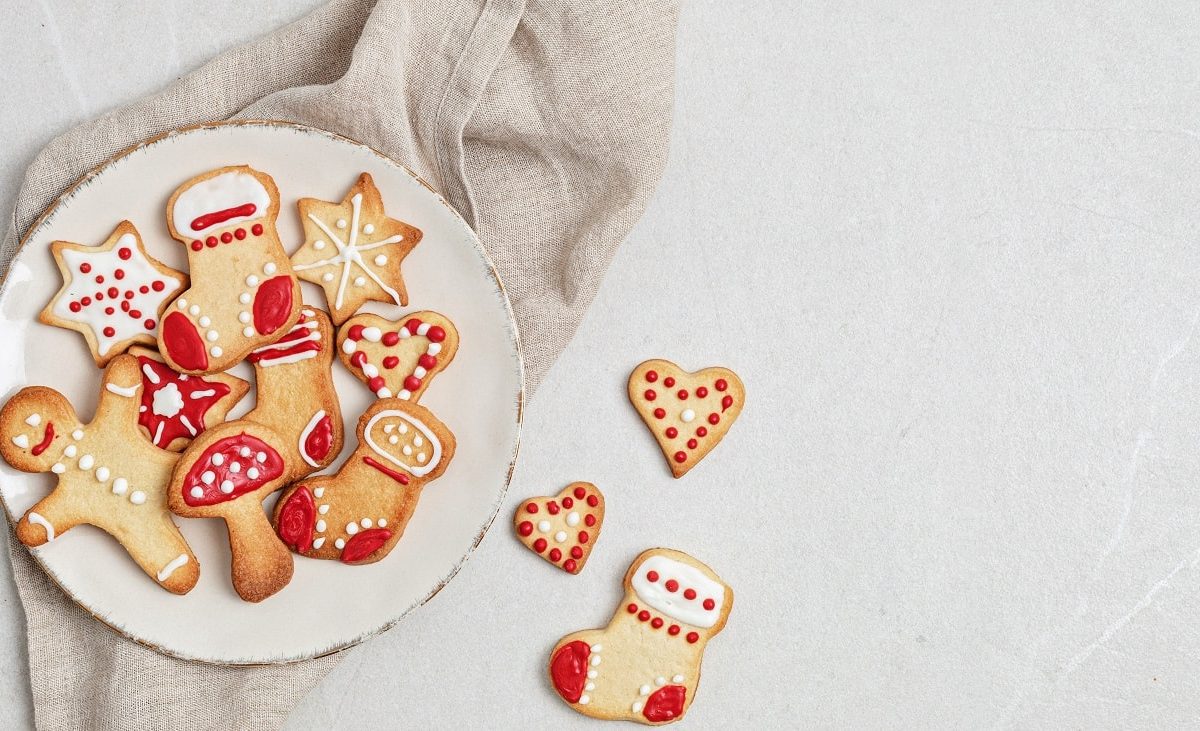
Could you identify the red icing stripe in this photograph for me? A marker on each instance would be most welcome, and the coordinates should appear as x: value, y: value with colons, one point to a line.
x: 210, y: 219
x: 397, y: 476
x: 364, y: 544
x: 43, y: 445
x: 275, y: 353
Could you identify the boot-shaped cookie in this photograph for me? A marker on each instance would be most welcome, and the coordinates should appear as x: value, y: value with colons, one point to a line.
x: 294, y: 430
x: 109, y: 475
x: 358, y: 515
x: 243, y: 293
x: 645, y: 666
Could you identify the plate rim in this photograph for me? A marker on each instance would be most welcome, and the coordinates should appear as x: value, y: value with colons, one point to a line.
x: 514, y: 332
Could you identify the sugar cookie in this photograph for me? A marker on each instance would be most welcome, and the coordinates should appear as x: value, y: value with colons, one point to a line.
x: 563, y: 529
x: 397, y: 358
x: 176, y: 407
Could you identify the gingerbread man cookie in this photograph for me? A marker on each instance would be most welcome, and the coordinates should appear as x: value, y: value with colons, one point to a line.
x: 294, y: 430
x: 398, y: 359
x: 177, y: 407
x: 353, y: 250
x: 645, y: 665
x: 563, y: 529
x: 688, y: 413
x: 243, y: 293
x: 359, y: 514
x: 109, y: 475
x: 114, y: 293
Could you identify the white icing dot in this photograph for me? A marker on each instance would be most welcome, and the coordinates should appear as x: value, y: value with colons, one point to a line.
x: 317, y: 543
x: 572, y: 519
x: 226, y: 486
x: 252, y: 473
x: 380, y: 260
x: 248, y: 332
x: 677, y: 679
x: 327, y: 277
x: 318, y: 244
x: 323, y: 509
x: 319, y: 492
x: 597, y: 648
x: 102, y: 474
x: 120, y: 485
x: 269, y: 268
x: 366, y: 523
x: 382, y: 522
x: 216, y: 351
x: 181, y: 303
x: 421, y: 457
x: 637, y: 707
x: 86, y: 462
x: 384, y: 392
x: 418, y: 441
x: 212, y: 335
x: 341, y: 223
x: 360, y: 281
x: 393, y: 439
x: 245, y: 452
x: 660, y: 681
x: 207, y: 477
x: 339, y: 544
x: 58, y: 468
x: 137, y: 497
x: 261, y: 456
x: 407, y: 450
x: 369, y: 228
x: 595, y: 660
x: 644, y: 690
x: 33, y: 419
x: 197, y: 491
x: 218, y: 459
x: 560, y: 536
x: 235, y: 467
x: 251, y: 281
x: 592, y: 673
x: 584, y: 700
x: 243, y: 317
x: 77, y: 434
x: 204, y: 321
x: 244, y: 298
x: 352, y: 528
x: 321, y: 525
x: 544, y: 526
x: 590, y: 686
x: 71, y: 450
x: 194, y: 310
x: 688, y: 416
x: 403, y: 428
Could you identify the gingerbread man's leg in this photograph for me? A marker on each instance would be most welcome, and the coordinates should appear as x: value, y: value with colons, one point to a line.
x: 158, y: 548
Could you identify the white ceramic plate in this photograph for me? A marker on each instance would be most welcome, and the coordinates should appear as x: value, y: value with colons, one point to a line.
x: 328, y: 606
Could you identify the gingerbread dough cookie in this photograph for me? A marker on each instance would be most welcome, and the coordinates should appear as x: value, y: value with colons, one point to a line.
x: 562, y: 529
x: 353, y: 250
x: 177, y: 407
x: 243, y: 293
x: 113, y: 294
x: 294, y: 430
x: 359, y: 514
x: 398, y: 358
x: 645, y: 665
x: 109, y: 475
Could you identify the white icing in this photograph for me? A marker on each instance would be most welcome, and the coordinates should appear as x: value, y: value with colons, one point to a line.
x: 207, y: 477
x: 560, y: 536
x: 168, y: 401
x: 352, y: 528
x: 33, y: 419
x: 319, y: 492
x: 204, y: 321
x: 218, y: 459
x: 58, y: 468
x: 687, y: 416
x: 423, y: 329
x: 672, y: 603
x: 194, y: 310
x: 421, y: 457
x: 318, y: 244
x: 86, y: 462
x: 380, y: 260
x: 318, y: 542
x: 373, y: 334
x: 216, y: 351
x: 369, y: 229
x: 339, y: 544
x: 71, y: 451
x: 312, y: 424
x: 226, y: 486
x: 366, y: 523
x: 269, y: 268
x: 77, y: 434
x: 382, y: 522
x: 323, y: 509
x: 137, y: 497
x: 120, y: 485
x: 235, y: 467
x: 170, y: 568
x: 418, y: 471
x: 644, y: 690
x: 38, y: 519
x: 127, y: 391
x: 360, y: 281
x: 21, y: 441
x: 102, y: 474
x: 244, y: 298
x: 252, y: 473
x: 219, y: 193
x: 321, y: 526
x: 677, y: 679
x: 251, y: 281
x: 197, y: 491
x: 543, y: 526
x: 349, y: 255
x: 572, y: 519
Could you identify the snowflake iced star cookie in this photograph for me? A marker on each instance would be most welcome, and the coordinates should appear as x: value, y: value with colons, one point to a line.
x: 113, y: 294
x: 108, y: 474
x: 177, y: 407
x: 397, y: 359
x: 688, y: 413
x: 353, y: 250
x: 563, y: 529
x: 645, y: 665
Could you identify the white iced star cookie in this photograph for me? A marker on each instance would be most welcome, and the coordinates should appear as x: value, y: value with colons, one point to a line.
x: 353, y: 250
x: 113, y: 294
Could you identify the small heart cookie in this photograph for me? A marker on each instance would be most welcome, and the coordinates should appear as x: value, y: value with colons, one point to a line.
x: 688, y: 413
x: 397, y: 358
x: 562, y: 529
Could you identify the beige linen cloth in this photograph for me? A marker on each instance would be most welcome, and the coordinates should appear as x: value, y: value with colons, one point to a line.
x: 544, y: 123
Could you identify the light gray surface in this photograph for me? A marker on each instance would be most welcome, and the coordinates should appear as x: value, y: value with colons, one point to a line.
x: 952, y: 252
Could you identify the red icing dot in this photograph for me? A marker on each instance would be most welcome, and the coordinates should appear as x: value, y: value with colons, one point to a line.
x: 672, y: 432
x: 256, y: 229
x: 668, y: 381
x: 85, y: 267
x: 583, y: 536
x: 149, y: 324
x: 144, y: 289
x: 376, y: 383
x: 109, y: 310
x: 539, y: 545
x: 197, y: 245
x: 652, y: 576
x: 721, y: 385
x: 391, y: 361
x: 701, y: 432
x: 531, y: 508
x: 569, y: 565
x: 113, y: 291
x: 590, y: 520
x: 436, y: 334
x: 358, y: 359
x: 692, y: 637
x: 109, y: 332
x: 726, y: 402
x: 632, y: 608
x: 119, y: 274
x: 682, y: 394
x: 576, y: 552
x: 673, y: 630
x: 689, y: 593
x: 390, y: 339
x: 650, y: 395
x: 552, y: 507
x: 427, y: 361
x: 672, y: 585
x: 680, y: 457
x: 701, y: 392
x: 135, y: 314
x: 129, y: 294
x: 99, y: 279
x: 355, y: 332
x: 593, y: 500
x: 651, y: 376
x: 526, y: 528
x: 656, y: 622
x: 692, y: 443
x: 412, y: 383
x: 86, y: 301
x: 124, y: 306
x: 99, y: 296
x: 158, y: 286
x: 124, y: 253
x: 555, y: 554
x: 709, y: 604
x: 568, y: 503
x: 579, y: 493
x: 210, y: 242
x: 226, y: 237
x: 412, y: 325
x: 239, y: 234
x: 660, y: 413
x: 643, y: 615
x: 75, y: 307
x: 714, y: 418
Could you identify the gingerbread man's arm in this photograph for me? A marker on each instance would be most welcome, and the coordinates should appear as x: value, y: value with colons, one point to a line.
x: 54, y: 515
x: 120, y: 393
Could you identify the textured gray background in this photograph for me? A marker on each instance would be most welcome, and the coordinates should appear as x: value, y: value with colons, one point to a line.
x: 952, y: 251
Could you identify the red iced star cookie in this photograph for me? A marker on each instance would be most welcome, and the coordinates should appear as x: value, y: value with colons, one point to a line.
x: 175, y: 407
x: 562, y: 529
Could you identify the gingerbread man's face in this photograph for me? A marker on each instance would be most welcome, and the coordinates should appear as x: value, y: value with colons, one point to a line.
x: 400, y: 440
x: 34, y: 426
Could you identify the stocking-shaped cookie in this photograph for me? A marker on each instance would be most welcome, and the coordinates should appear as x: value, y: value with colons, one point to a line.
x: 688, y: 413
x: 359, y: 514
x: 294, y: 430
x: 645, y: 665
x: 109, y: 475
x: 397, y: 358
x: 243, y: 293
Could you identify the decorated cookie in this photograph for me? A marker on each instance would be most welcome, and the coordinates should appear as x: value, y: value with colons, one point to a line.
x: 243, y: 293
x: 109, y: 475
x: 353, y: 250
x: 563, y: 529
x: 397, y: 359
x: 294, y: 430
x: 645, y: 665
x: 359, y: 514
x: 688, y: 413
x: 177, y: 407
x: 114, y: 293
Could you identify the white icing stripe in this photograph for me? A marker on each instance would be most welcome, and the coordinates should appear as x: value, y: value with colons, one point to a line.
x: 219, y: 193
x: 203, y: 394
x: 170, y: 568
x: 151, y: 376
x: 284, y: 345
x: 418, y: 471
x: 312, y: 424
x: 127, y: 391
x: 284, y: 360
x: 350, y: 254
x: 673, y: 603
x: 37, y: 519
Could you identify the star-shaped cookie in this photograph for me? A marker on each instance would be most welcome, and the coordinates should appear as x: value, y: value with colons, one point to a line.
x: 113, y: 294
x: 353, y: 250
x: 177, y: 407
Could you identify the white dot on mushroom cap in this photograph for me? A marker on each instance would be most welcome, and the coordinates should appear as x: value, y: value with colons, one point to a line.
x: 207, y: 477
x: 269, y: 268
x: 197, y: 491
x: 245, y: 452
x: 560, y: 536
x: 380, y: 260
x: 544, y: 526
x: 252, y: 473
x: 216, y: 351
x: 137, y: 497
x: 218, y: 459
x: 194, y: 310
x: 226, y: 486
x: 244, y: 298
x: 235, y: 467
x: 261, y: 456
x: 352, y: 528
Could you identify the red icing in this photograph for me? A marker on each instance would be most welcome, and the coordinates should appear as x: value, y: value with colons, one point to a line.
x: 124, y: 253
x: 435, y: 334
x: 397, y: 476
x: 197, y: 245
x: 109, y: 332
x: 290, y: 344
x: 726, y: 402
x: 656, y: 622
x: 721, y: 385
x: 668, y: 381
x: 230, y: 450
x: 680, y: 457
x: 643, y: 615
x: 47, y: 438
x: 272, y: 304
x: 85, y: 267
x: 256, y: 229
x: 525, y: 528
x: 389, y: 338
x: 593, y: 500
x: 709, y: 604
x: 583, y: 536
x: 580, y: 493
x: 632, y: 609
x: 692, y: 638
x: 651, y: 376
x: 355, y: 333
x: 689, y: 593
x: 210, y: 242
x: 531, y: 508
x: 568, y: 503
x: 589, y: 520
x: 701, y: 392
x: 539, y: 545
x: 673, y: 630
x: 183, y: 343
x: 576, y: 552
x: 239, y: 234
x: 376, y: 383
x: 682, y: 394
x: 660, y: 413
x: 555, y: 554
x: 389, y: 362
x: 665, y: 704
x: 412, y: 383
x: 295, y: 525
x: 652, y: 576
x: 672, y: 585
x: 672, y: 432
x: 714, y: 419
x: 166, y: 429
x: 364, y: 543
x: 211, y: 219
x: 701, y: 432
x: 568, y: 670
x: 320, y: 440
x: 552, y: 508
x: 226, y: 237
x: 158, y: 286
x: 569, y: 565
x: 692, y: 443
x: 650, y: 394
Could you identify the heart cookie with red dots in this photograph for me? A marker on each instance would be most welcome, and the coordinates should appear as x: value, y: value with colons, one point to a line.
x: 564, y: 528
x: 688, y: 413
x: 398, y: 358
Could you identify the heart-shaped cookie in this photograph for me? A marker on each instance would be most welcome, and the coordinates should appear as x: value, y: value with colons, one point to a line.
x: 688, y: 413
x: 397, y: 358
x: 562, y: 529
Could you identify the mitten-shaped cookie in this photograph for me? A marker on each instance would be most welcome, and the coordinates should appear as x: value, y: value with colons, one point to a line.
x: 359, y: 514
x: 243, y: 293
x: 645, y: 665
x: 294, y: 430
x: 109, y: 475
